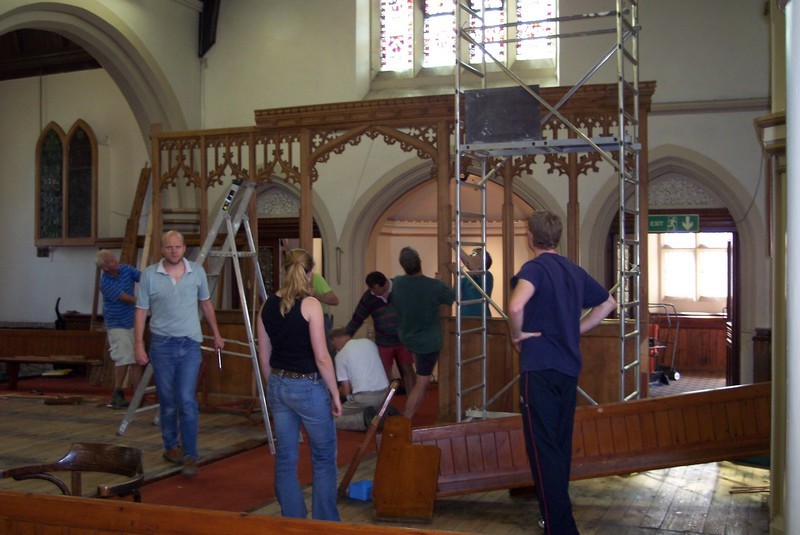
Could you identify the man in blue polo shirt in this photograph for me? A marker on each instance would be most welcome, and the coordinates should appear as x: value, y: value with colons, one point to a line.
x: 117, y: 284
x: 170, y: 291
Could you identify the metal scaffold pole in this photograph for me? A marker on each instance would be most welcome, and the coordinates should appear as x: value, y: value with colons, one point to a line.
x: 477, y: 161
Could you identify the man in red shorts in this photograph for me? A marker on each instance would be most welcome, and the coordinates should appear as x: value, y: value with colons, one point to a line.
x: 376, y: 302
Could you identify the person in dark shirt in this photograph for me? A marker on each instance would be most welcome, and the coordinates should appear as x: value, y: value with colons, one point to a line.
x: 474, y: 264
x: 377, y: 302
x: 416, y: 299
x: 549, y: 294
x: 301, y: 388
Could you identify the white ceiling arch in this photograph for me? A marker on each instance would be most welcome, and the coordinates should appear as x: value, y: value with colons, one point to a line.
x: 118, y: 50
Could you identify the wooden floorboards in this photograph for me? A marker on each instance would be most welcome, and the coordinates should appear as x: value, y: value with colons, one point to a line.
x: 689, y: 499
x: 34, y: 432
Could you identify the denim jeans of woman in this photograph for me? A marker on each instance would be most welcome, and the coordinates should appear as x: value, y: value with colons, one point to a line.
x: 306, y: 401
x: 176, y: 363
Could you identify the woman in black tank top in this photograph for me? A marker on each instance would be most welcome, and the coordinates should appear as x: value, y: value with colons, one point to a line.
x: 301, y: 388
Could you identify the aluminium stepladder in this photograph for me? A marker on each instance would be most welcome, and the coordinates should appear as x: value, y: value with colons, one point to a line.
x: 232, y: 215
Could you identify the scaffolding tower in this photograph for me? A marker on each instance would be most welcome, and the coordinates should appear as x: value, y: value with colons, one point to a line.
x: 478, y: 161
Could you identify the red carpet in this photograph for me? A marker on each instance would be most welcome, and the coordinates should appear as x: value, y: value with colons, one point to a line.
x: 242, y: 482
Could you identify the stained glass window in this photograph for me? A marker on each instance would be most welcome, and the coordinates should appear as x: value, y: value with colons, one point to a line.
x: 397, y: 35
x: 439, y: 37
x: 529, y: 33
x: 66, y: 186
x: 525, y: 23
x: 79, y: 189
x: 494, y: 30
x: 51, y: 197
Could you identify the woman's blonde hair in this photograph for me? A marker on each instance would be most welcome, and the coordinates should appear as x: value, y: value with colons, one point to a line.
x: 297, y: 264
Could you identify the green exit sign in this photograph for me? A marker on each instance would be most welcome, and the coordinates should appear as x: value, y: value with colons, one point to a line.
x: 673, y: 223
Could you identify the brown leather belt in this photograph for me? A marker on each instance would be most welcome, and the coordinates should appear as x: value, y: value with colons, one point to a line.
x: 286, y: 374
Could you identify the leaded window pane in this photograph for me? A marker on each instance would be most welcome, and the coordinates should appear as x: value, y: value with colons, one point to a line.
x: 79, y: 180
x: 494, y: 19
x: 51, y: 193
x: 397, y: 35
x: 439, y: 33
x: 535, y: 10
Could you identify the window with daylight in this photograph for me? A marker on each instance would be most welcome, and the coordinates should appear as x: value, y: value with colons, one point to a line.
x: 691, y: 270
x: 420, y: 34
x: 66, y: 186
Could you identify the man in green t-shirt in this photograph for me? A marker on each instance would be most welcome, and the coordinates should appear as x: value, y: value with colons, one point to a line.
x: 416, y: 299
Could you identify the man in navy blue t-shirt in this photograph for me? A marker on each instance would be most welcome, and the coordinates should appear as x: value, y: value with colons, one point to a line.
x: 549, y: 294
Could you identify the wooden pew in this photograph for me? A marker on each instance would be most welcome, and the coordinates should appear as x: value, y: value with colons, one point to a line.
x: 405, y: 474
x: 13, y: 362
x: 39, y: 513
x: 52, y: 346
x: 618, y: 438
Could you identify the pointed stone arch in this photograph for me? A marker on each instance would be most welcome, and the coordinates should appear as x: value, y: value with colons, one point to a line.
x: 711, y: 176
x: 366, y: 216
x: 118, y: 50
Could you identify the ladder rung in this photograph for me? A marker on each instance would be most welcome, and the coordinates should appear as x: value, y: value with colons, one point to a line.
x: 632, y: 395
x: 630, y: 365
x: 471, y: 69
x: 626, y: 23
x: 629, y: 89
x: 473, y: 185
x: 632, y: 119
x: 629, y: 56
x: 472, y: 331
x: 469, y: 10
x: 470, y: 360
x: 231, y: 254
x: 472, y: 389
x: 477, y: 215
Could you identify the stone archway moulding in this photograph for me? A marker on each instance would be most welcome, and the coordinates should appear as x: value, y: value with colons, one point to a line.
x: 669, y: 160
x: 116, y: 47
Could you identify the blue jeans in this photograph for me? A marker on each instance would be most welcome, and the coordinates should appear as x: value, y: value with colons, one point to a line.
x: 306, y: 401
x: 176, y: 363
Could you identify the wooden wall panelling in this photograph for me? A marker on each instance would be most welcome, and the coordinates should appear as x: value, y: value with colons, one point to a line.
x: 503, y: 367
x: 235, y: 381
x: 701, y: 345
x: 600, y: 376
x: 51, y: 342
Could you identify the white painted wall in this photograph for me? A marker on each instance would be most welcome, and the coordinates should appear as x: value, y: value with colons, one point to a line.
x: 32, y: 284
x: 284, y: 53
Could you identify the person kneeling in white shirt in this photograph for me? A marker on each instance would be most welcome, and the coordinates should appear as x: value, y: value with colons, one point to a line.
x: 362, y: 380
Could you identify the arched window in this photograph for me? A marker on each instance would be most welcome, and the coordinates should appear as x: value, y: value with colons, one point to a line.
x: 66, y: 186
x: 417, y: 38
